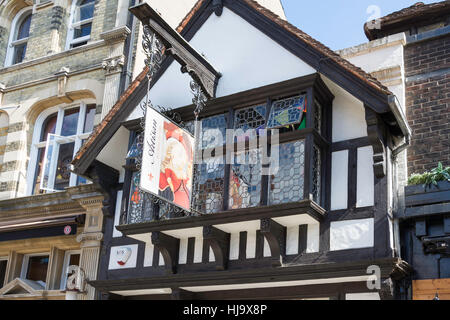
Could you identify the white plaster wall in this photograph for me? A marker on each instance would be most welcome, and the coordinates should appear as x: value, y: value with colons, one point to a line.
x: 131, y: 263
x: 379, y: 58
x: 182, y: 256
x: 365, y: 178
x: 349, y: 120
x: 234, y: 246
x: 312, y: 244
x: 351, y: 234
x: 198, y: 250
x: 339, y: 180
x: 292, y: 240
x: 115, y: 151
x: 117, y: 233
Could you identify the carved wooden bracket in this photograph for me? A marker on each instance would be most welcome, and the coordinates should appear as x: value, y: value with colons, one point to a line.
x: 168, y: 247
x: 219, y: 241
x: 275, y: 235
x: 190, y: 60
x: 376, y: 132
x: 218, y: 7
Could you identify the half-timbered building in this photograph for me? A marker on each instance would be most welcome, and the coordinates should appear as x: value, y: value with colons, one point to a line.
x: 319, y: 227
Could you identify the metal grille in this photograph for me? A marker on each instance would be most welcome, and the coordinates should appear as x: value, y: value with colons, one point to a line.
x: 245, y: 180
x: 286, y: 185
x: 316, y: 174
x: 287, y: 111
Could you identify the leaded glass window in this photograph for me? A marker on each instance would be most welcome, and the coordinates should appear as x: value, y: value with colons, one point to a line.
x: 286, y: 183
x: 213, y: 131
x: 208, y: 187
x: 245, y: 180
x: 316, y: 174
x: 318, y: 117
x: 287, y: 111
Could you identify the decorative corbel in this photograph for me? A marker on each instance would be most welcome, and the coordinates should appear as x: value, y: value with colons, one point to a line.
x: 113, y: 65
x: 63, y: 76
x: 168, y: 247
x: 219, y: 241
x: 275, y: 235
x: 376, y: 133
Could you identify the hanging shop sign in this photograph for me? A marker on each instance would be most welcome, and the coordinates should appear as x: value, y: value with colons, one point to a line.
x: 167, y: 160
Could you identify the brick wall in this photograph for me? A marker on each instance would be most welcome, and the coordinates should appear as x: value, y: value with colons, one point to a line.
x: 427, y: 66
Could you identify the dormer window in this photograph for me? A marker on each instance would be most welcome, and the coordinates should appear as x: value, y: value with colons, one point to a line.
x: 80, y: 23
x: 20, y: 32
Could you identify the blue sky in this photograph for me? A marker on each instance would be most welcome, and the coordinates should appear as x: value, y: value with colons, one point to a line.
x: 339, y: 23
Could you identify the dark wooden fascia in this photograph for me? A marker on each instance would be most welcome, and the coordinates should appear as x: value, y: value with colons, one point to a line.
x: 350, y: 268
x: 107, y: 178
x: 169, y: 247
x: 238, y: 215
x: 275, y: 235
x: 377, y: 138
x: 219, y: 241
x: 190, y: 60
x: 217, y: 7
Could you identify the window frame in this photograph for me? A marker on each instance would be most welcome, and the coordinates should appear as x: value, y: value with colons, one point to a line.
x: 5, y: 258
x: 37, y: 144
x: 64, y: 273
x: 71, y: 41
x: 26, y: 261
x: 13, y: 42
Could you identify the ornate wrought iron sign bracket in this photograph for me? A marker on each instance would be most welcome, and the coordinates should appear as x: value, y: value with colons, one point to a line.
x: 201, y: 71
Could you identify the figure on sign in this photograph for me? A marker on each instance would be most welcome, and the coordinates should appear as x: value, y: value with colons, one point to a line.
x: 176, y: 166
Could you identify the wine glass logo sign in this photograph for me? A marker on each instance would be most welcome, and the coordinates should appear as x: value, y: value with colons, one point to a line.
x: 123, y: 255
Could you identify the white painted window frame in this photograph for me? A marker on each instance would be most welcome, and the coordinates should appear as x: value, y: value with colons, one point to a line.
x: 4, y: 259
x: 26, y: 261
x: 72, y: 25
x: 36, y: 144
x: 64, y: 273
x: 12, y: 43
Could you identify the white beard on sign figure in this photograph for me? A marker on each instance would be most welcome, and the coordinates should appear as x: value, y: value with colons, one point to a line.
x: 122, y: 255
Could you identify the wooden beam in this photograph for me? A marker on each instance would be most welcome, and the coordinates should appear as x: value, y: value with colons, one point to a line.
x: 275, y: 235
x: 168, y: 247
x: 376, y: 132
x: 219, y: 241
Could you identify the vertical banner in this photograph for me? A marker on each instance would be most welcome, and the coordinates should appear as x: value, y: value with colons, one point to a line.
x: 167, y: 160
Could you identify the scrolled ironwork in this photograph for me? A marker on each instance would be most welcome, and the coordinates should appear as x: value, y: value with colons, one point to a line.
x: 154, y: 50
x: 199, y: 99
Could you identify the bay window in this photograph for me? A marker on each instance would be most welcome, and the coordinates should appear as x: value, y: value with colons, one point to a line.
x: 283, y: 159
x: 58, y: 135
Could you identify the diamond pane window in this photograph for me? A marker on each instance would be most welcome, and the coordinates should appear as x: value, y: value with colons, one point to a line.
x: 287, y: 111
x: 134, y: 153
x: 250, y: 118
x: 316, y: 174
x: 286, y: 184
x: 213, y: 131
x: 245, y: 180
x: 208, y: 187
x: 136, y: 199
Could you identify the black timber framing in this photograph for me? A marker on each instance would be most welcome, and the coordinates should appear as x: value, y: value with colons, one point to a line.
x: 238, y: 215
x: 169, y: 248
x: 219, y: 241
x: 387, y: 266
x: 275, y: 235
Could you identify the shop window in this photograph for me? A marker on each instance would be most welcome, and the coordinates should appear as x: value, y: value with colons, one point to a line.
x: 35, y: 268
x: 3, y: 265
x: 71, y: 258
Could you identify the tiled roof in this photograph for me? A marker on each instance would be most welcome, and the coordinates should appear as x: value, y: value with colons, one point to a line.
x: 416, y: 11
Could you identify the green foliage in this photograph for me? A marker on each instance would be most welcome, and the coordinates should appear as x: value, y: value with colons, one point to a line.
x: 430, y: 177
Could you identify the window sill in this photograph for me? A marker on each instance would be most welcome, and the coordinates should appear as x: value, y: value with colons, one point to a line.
x: 307, y: 207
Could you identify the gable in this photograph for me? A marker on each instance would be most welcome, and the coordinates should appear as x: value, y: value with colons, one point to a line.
x: 245, y: 57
